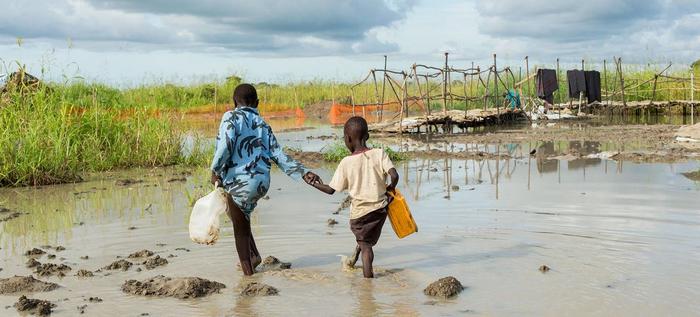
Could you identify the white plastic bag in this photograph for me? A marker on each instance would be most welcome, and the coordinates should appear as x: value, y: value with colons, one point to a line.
x: 204, y: 220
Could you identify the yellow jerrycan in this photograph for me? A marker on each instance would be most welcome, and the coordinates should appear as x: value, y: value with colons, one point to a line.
x: 400, y: 216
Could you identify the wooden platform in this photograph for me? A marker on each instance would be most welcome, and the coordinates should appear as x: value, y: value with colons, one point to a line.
x: 446, y: 121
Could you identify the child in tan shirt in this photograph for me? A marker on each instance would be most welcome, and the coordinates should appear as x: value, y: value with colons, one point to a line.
x: 363, y: 174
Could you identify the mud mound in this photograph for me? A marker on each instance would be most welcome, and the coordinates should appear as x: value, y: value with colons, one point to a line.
x: 544, y: 269
x: 178, y: 287
x: 651, y: 157
x: 321, y: 137
x: 445, y: 287
x: 141, y: 254
x: 119, y: 265
x: 154, y: 262
x: 693, y: 176
x: 84, y: 273
x: 34, y: 252
x: 7, y: 214
x: 51, y: 269
x: 258, y: 289
x: 24, y: 284
x: 689, y: 131
x: 34, y: 306
x: 32, y: 263
x: 272, y: 263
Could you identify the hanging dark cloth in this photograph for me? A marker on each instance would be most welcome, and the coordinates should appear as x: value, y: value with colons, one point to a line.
x: 547, y: 84
x: 577, y: 82
x: 593, y: 86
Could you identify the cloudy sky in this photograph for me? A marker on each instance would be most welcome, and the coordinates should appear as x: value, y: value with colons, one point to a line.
x: 132, y: 41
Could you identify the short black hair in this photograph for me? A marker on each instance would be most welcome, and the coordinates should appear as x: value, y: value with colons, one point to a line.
x: 356, y: 128
x: 245, y: 95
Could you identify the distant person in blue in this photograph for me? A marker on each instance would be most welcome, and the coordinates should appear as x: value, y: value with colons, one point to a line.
x: 245, y: 150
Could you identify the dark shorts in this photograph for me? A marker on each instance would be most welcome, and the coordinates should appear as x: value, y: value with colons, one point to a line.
x: 368, y: 228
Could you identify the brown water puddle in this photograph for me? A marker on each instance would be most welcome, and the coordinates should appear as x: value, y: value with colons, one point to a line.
x: 619, y: 238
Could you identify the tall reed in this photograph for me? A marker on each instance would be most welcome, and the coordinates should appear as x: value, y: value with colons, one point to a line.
x: 54, y: 135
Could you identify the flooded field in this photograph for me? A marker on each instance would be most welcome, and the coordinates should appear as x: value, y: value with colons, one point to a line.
x: 621, y: 238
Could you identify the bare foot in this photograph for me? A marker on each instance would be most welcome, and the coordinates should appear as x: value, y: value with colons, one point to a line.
x: 349, y: 262
x: 355, y: 255
x: 255, y: 260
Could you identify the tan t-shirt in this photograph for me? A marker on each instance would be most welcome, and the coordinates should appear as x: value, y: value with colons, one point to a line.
x: 363, y: 175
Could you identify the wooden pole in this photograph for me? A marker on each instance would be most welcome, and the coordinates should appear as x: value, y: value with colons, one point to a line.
x: 605, y: 80
x: 622, y: 80
x: 466, y: 96
x: 495, y: 89
x: 471, y: 81
x: 653, y: 90
x: 427, y: 94
x: 420, y: 92
x: 486, y: 87
x: 692, y: 96
x: 376, y: 95
x: 520, y: 73
x: 580, y: 99
x: 527, y: 75
x: 444, y: 87
x: 381, y: 115
x: 403, y: 101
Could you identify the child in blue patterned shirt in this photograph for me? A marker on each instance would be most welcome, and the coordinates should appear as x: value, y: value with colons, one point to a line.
x: 245, y: 150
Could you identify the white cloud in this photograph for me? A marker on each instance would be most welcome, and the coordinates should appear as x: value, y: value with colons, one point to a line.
x: 324, y: 36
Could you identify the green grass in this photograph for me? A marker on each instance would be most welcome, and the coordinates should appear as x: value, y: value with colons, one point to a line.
x: 171, y: 96
x: 60, y: 130
x: 336, y: 151
x: 52, y: 136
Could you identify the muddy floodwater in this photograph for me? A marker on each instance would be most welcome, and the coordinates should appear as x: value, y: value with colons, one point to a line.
x: 619, y: 238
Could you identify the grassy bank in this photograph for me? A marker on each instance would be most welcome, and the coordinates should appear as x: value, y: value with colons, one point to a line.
x: 56, y: 134
x: 281, y: 97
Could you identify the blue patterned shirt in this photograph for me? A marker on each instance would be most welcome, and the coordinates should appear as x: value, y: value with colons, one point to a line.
x: 245, y: 150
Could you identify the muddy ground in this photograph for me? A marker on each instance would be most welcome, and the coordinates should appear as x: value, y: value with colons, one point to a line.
x: 126, y: 241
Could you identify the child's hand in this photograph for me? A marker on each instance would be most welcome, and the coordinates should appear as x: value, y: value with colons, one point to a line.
x: 311, y: 178
x: 215, y: 178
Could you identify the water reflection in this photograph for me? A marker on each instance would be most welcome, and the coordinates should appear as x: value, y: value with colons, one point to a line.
x: 506, y: 167
x: 366, y: 304
x: 60, y: 210
x: 491, y: 222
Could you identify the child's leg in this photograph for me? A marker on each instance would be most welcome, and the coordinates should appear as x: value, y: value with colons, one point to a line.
x: 367, y: 259
x: 353, y: 258
x: 243, y: 237
x: 254, y: 254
